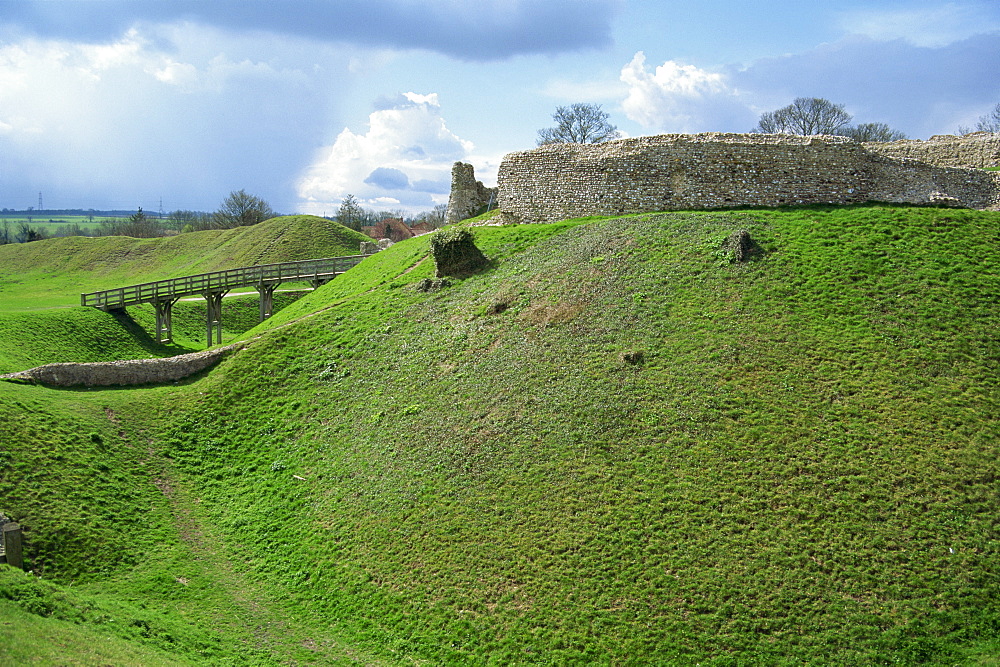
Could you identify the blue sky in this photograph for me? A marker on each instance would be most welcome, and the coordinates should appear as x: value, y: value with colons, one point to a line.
x: 122, y: 103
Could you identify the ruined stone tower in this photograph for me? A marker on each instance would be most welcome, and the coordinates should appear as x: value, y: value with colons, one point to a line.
x: 467, y: 194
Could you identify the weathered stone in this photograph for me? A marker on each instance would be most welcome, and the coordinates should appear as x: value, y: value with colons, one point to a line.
x: 467, y: 194
x: 976, y: 150
x: 717, y: 170
x: 740, y: 246
x: 128, y: 372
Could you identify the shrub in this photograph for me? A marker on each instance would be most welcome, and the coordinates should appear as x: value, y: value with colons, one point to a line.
x: 455, y: 253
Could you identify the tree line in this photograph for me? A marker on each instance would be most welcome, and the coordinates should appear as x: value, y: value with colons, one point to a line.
x: 238, y: 209
x: 589, y: 124
x: 353, y: 215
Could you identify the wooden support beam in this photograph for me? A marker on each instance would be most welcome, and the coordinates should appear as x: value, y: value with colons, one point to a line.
x: 12, y: 545
x: 319, y: 281
x: 266, y: 292
x: 213, y: 315
x: 164, y: 319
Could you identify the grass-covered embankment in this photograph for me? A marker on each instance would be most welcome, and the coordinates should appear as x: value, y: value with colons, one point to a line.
x: 40, y: 285
x: 53, y: 273
x: 615, y: 446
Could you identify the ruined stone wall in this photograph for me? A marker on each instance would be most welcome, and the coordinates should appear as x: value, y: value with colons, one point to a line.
x: 715, y: 170
x: 908, y: 181
x: 129, y: 372
x: 976, y: 150
x: 467, y: 194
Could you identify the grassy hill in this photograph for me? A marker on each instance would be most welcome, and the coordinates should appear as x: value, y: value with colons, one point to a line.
x: 616, y: 446
x: 55, y: 272
x: 38, y: 277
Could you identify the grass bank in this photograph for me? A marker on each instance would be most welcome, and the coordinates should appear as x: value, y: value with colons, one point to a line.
x: 616, y: 445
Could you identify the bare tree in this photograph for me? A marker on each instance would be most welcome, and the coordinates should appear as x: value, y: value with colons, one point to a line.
x: 180, y: 220
x: 871, y: 132
x: 806, y: 115
x: 579, y: 124
x: 435, y: 217
x: 138, y: 226
x: 240, y: 209
x: 989, y: 122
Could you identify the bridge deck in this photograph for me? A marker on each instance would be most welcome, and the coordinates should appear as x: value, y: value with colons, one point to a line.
x: 316, y: 270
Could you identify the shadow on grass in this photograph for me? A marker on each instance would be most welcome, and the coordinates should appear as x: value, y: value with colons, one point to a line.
x: 144, y: 340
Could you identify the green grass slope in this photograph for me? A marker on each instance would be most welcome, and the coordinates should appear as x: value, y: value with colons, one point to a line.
x: 616, y: 446
x: 41, y: 282
x: 55, y: 272
x: 77, y: 334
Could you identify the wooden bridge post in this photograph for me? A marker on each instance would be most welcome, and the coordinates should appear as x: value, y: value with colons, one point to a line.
x: 318, y: 281
x: 266, y: 292
x: 213, y: 315
x: 12, y: 545
x: 164, y: 316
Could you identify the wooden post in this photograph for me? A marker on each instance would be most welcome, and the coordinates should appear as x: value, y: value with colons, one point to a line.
x: 12, y: 544
x: 266, y: 292
x: 164, y: 316
x: 213, y: 315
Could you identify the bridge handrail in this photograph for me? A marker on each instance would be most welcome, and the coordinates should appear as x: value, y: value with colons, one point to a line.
x: 200, y: 283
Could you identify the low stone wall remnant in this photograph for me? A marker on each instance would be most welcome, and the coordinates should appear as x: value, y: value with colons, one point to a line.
x: 121, y: 373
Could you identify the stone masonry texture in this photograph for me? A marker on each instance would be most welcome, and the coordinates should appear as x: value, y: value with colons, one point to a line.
x: 718, y: 170
x: 976, y: 150
x: 120, y: 373
x: 467, y: 194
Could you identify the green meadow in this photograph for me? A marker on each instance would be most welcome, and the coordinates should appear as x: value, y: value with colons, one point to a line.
x: 615, y: 446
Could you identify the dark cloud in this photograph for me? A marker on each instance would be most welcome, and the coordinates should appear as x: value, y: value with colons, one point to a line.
x: 487, y: 30
x: 388, y: 179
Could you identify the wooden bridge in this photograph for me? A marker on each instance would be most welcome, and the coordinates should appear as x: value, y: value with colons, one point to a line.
x: 163, y: 294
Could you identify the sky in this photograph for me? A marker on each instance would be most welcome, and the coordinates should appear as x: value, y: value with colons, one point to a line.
x: 120, y: 104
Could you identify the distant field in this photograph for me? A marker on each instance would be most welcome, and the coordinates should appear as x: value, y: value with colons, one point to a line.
x: 44, y: 219
x: 52, y: 226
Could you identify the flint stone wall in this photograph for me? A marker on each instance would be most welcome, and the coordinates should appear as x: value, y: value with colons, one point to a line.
x: 117, y: 373
x: 717, y: 170
x: 976, y: 150
x: 467, y: 194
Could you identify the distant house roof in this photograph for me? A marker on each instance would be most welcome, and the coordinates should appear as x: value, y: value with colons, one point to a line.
x: 390, y: 228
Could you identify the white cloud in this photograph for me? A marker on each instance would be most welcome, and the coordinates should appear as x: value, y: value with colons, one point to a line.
x: 404, y: 159
x: 146, y: 115
x: 919, y: 90
x: 929, y: 26
x: 576, y: 90
x: 676, y: 97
